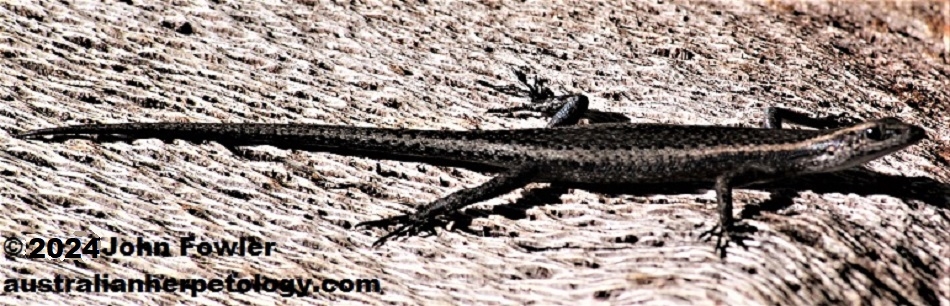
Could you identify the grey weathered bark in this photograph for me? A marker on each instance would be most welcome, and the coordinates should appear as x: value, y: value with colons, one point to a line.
x: 855, y: 238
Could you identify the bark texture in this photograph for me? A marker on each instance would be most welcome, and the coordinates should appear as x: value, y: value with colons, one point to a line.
x: 876, y: 237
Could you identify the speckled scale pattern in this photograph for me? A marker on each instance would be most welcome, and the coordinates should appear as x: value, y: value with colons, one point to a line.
x: 501, y: 148
x: 614, y: 153
x: 602, y: 153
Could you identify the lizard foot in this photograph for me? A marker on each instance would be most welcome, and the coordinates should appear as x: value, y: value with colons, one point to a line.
x: 734, y: 233
x: 407, y: 225
x: 537, y: 88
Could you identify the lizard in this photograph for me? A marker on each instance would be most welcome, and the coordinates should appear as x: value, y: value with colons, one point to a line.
x: 613, y: 153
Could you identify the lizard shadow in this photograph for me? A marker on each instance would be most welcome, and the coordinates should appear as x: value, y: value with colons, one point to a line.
x: 855, y: 181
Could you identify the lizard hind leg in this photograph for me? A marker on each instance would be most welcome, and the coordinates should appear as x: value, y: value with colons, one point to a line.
x: 564, y: 110
x: 572, y: 110
x: 424, y: 218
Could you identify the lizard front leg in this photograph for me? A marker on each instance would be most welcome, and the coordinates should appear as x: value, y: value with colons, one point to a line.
x: 725, y: 229
x: 774, y: 118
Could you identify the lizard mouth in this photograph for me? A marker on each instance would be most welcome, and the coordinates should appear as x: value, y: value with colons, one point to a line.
x: 917, y: 134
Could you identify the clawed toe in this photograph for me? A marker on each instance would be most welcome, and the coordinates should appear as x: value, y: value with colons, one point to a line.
x: 406, y: 226
x: 385, y: 222
x: 714, y: 231
x: 400, y: 231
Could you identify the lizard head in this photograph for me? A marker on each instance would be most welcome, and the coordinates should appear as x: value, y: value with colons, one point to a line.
x: 857, y: 144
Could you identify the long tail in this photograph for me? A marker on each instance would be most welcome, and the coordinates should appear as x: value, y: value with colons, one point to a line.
x: 293, y: 135
x: 430, y: 146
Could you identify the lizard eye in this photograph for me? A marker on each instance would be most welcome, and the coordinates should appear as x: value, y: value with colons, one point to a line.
x: 874, y: 133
